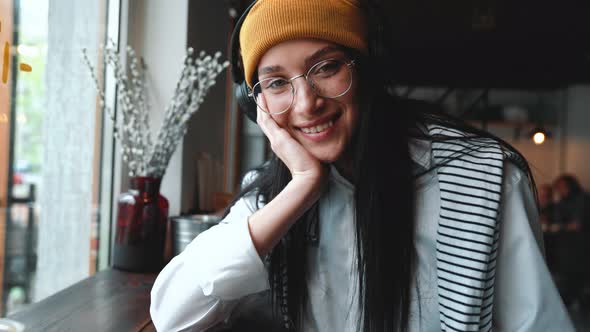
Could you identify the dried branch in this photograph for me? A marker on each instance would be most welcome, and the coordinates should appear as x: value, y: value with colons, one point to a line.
x: 144, y: 156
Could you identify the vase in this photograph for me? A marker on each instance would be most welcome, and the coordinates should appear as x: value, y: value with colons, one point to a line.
x: 142, y: 214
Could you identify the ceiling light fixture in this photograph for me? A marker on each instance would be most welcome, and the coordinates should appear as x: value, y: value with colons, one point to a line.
x: 539, y: 135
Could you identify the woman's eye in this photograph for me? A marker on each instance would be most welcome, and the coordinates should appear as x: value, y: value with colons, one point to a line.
x: 327, y: 68
x: 275, y: 84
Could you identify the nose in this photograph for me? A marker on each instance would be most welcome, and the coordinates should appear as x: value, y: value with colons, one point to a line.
x: 306, y: 99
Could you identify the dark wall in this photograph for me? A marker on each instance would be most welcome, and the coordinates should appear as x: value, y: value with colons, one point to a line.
x: 208, y: 30
x: 490, y: 43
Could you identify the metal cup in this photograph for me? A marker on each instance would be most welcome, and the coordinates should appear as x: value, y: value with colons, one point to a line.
x: 185, y: 228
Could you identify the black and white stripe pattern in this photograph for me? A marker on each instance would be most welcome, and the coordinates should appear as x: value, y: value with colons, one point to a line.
x: 470, y: 177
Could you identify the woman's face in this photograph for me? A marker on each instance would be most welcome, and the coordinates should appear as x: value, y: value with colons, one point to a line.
x: 310, y: 115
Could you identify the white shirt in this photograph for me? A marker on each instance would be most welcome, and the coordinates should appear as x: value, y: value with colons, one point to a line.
x: 200, y: 287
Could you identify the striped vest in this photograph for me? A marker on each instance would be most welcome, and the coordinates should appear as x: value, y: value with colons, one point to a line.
x: 470, y: 179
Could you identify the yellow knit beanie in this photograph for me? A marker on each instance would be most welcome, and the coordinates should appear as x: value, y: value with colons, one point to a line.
x: 271, y: 22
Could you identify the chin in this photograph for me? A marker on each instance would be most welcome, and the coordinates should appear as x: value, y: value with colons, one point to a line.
x: 328, y: 157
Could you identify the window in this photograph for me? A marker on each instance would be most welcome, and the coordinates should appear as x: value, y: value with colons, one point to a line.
x: 51, y: 147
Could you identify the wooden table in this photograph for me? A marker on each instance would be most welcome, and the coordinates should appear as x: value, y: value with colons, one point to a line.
x: 110, y: 300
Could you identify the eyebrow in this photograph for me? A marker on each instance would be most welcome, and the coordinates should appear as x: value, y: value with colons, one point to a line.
x: 312, y: 59
x: 309, y: 60
x: 269, y: 70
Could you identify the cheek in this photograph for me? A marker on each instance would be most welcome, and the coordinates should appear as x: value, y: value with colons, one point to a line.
x: 281, y: 120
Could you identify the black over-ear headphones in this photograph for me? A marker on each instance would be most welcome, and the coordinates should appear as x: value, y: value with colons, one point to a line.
x: 241, y: 89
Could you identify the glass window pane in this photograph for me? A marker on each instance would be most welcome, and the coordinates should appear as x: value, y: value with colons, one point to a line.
x: 50, y: 161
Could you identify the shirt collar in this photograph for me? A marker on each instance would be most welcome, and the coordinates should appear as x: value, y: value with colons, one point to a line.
x: 335, y: 175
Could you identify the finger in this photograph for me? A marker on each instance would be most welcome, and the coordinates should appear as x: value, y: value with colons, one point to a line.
x: 265, y: 120
x: 260, y: 113
x: 261, y: 107
x: 271, y: 130
x: 270, y: 123
x: 276, y: 135
x: 271, y: 119
x: 261, y: 101
x: 260, y: 119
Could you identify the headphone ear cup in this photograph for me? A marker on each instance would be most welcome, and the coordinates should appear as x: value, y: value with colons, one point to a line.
x: 246, y: 103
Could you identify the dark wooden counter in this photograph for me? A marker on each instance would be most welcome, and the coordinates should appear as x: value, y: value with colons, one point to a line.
x: 110, y: 300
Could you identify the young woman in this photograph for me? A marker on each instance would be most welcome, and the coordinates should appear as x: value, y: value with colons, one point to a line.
x: 373, y: 214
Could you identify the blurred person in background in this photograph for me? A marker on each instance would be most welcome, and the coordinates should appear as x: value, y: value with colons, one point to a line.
x: 546, y: 206
x: 570, y: 233
x: 570, y: 214
x: 547, y: 220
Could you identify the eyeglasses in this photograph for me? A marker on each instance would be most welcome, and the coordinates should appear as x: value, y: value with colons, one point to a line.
x: 331, y: 78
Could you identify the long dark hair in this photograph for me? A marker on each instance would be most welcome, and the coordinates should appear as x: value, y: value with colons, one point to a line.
x: 384, y: 217
x: 384, y: 197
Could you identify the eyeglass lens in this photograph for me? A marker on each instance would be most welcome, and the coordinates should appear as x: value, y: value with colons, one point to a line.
x: 330, y: 78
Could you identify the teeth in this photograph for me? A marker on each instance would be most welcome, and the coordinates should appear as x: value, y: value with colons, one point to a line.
x: 318, y: 129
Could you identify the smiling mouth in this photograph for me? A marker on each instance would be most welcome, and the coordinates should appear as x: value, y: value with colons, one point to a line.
x: 318, y: 129
x: 321, y: 127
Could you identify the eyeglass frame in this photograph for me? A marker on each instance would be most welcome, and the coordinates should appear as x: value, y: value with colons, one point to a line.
x: 349, y: 65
